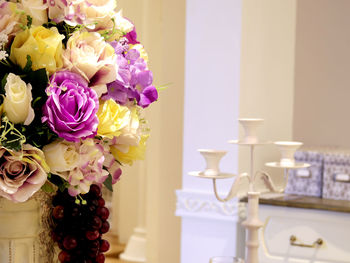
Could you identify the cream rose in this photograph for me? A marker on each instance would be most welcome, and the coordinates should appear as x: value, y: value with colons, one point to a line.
x: 36, y: 9
x: 90, y: 56
x: 75, y: 12
x: 113, y: 26
x: 18, y: 98
x: 61, y: 156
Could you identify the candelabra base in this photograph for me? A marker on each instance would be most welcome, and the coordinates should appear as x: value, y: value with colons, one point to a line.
x: 136, y: 248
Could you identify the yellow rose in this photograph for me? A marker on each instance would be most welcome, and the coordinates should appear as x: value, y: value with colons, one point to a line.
x: 43, y: 45
x: 133, y: 153
x: 112, y: 119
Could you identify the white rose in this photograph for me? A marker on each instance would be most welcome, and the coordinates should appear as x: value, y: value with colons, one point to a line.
x: 90, y: 56
x: 122, y: 23
x: 37, y: 10
x: 61, y: 156
x: 113, y: 25
x: 18, y: 98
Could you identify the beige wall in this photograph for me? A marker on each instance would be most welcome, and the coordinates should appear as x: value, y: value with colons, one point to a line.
x: 161, y: 28
x: 322, y: 79
x: 267, y: 74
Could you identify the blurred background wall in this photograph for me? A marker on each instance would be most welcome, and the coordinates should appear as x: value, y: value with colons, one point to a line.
x: 284, y: 61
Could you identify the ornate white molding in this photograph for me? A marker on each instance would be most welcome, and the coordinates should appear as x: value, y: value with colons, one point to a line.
x: 192, y: 203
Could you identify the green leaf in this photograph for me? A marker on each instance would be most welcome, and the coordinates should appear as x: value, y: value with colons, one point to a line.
x: 58, y: 181
x: 163, y: 87
x: 29, y: 21
x: 108, y: 183
x: 47, y: 187
x: 13, y: 145
x: 28, y: 65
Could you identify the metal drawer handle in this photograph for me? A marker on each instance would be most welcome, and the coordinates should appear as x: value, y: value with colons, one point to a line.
x: 293, y: 242
x: 341, y: 177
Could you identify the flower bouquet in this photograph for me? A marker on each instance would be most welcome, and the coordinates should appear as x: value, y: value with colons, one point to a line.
x: 74, y: 81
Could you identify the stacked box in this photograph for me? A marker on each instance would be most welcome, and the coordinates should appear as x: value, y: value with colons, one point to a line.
x: 306, y: 181
x: 336, y: 176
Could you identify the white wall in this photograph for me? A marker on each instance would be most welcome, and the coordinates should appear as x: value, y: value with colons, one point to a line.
x: 322, y: 73
x: 267, y: 75
x: 211, y: 111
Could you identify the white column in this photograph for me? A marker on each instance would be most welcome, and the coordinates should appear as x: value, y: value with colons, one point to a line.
x: 136, y: 247
x: 209, y: 228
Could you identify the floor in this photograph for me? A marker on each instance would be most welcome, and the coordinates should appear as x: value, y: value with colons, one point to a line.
x: 115, y: 260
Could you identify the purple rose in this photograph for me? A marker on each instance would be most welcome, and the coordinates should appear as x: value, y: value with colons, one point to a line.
x: 70, y: 110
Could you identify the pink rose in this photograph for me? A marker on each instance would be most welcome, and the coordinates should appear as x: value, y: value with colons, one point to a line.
x: 22, y: 173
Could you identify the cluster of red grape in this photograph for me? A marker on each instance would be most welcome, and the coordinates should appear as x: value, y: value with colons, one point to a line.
x: 79, y: 226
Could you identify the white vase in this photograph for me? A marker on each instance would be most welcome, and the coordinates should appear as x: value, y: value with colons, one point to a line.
x: 288, y: 149
x: 212, y: 158
x: 25, y: 231
x: 250, y: 127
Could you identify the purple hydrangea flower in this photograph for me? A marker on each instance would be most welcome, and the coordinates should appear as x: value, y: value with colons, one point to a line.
x: 132, y: 37
x: 134, y: 80
x: 70, y: 110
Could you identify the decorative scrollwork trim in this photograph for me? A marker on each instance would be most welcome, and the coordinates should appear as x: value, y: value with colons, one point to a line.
x: 204, y: 205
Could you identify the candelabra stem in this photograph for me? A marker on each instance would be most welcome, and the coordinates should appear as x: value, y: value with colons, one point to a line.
x: 251, y: 181
x: 252, y: 225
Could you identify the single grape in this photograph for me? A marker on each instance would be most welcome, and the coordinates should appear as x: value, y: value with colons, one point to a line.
x: 101, y: 202
x: 105, y: 227
x: 95, y: 223
x: 94, y: 245
x: 100, y: 258
x: 104, y: 245
x: 64, y: 256
x: 70, y: 242
x: 58, y: 212
x: 103, y: 212
x: 92, y: 235
x: 95, y: 190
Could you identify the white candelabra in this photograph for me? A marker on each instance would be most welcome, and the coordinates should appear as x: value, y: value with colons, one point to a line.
x: 212, y: 171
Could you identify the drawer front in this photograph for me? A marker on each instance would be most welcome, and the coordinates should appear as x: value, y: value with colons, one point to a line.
x: 306, y: 181
x: 336, y: 181
x: 307, y: 226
